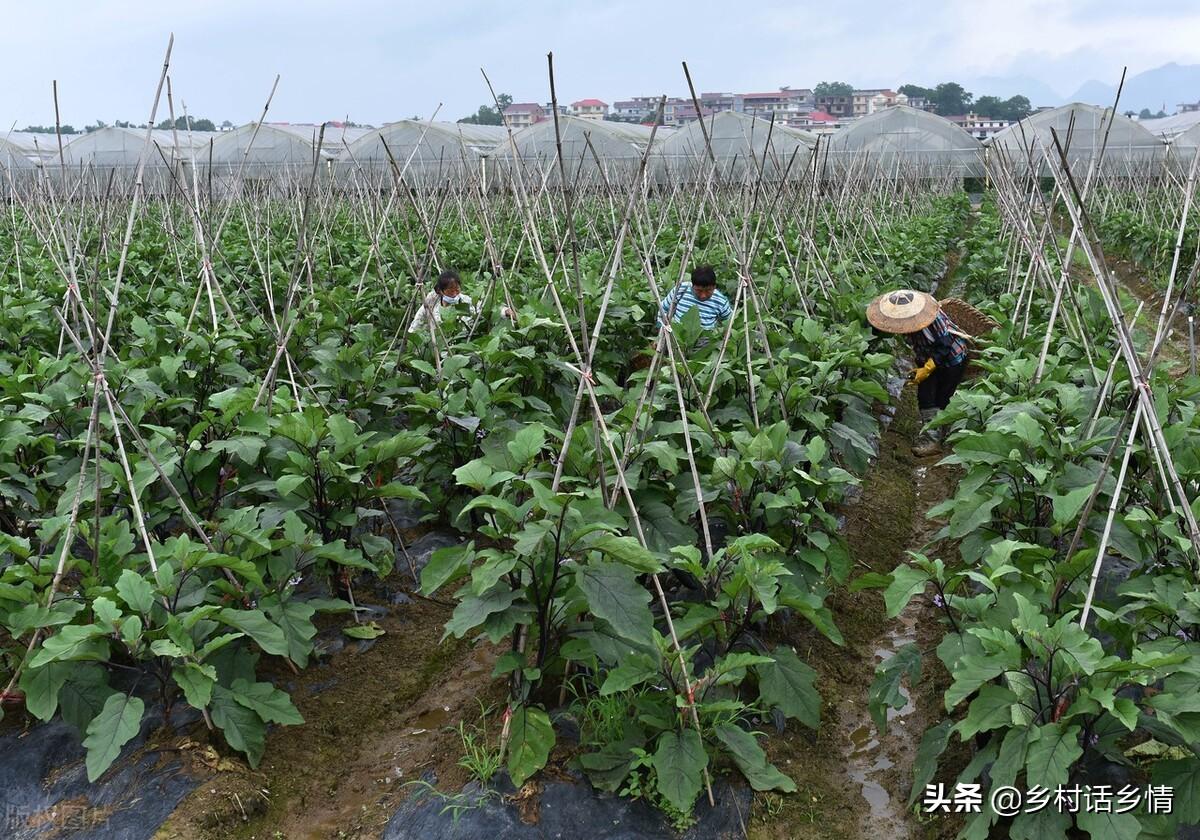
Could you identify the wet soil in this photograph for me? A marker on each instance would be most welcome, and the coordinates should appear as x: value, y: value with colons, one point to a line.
x: 377, y: 718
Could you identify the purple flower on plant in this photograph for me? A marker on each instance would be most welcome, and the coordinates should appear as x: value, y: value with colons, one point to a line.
x: 938, y: 601
x: 1182, y: 634
x: 1093, y: 740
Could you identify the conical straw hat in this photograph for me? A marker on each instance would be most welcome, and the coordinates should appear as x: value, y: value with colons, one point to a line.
x: 902, y: 311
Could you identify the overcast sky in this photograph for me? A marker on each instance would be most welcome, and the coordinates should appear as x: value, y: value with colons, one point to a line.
x: 377, y: 61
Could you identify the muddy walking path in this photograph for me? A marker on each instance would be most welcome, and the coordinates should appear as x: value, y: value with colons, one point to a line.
x: 853, y: 781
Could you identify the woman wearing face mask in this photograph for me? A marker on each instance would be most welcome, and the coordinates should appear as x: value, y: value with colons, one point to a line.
x: 447, y: 291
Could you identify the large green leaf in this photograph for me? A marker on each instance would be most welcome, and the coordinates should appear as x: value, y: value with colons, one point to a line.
x: 679, y: 763
x: 256, y: 625
x: 445, y: 565
x: 885, y: 692
x: 907, y: 581
x: 84, y: 694
x: 531, y: 737
x: 196, y: 681
x: 613, y: 594
x: 294, y: 618
x: 135, y: 591
x: 41, y: 687
x: 788, y: 683
x: 526, y: 444
x: 474, y: 610
x: 1050, y: 757
x: 751, y: 760
x: 933, y: 744
x: 627, y: 550
x: 271, y: 704
x: 1110, y: 826
x: 110, y: 730
x: 243, y: 728
x: 1183, y: 777
x: 991, y: 709
x: 72, y: 643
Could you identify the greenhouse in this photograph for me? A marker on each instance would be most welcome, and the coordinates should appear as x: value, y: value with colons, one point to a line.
x: 274, y: 157
x: 121, y: 148
x: 742, y: 147
x: 1170, y: 127
x: 590, y: 149
x: 425, y: 151
x: 904, y: 140
x: 1183, y: 146
x: 1082, y: 131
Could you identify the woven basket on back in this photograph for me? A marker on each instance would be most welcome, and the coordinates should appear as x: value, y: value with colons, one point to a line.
x: 969, y: 320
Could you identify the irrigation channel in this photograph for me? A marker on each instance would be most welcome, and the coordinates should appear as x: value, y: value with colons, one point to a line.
x: 275, y: 563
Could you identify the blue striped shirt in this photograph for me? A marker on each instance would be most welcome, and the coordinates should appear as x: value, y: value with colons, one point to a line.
x: 713, y: 310
x: 938, y: 341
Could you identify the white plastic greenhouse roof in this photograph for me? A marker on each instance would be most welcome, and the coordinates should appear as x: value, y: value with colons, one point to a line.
x: 283, y: 145
x: 1172, y: 126
x: 610, y: 139
x: 122, y: 147
x: 13, y: 156
x: 739, y: 146
x: 904, y: 136
x: 431, y: 142
x: 1087, y: 124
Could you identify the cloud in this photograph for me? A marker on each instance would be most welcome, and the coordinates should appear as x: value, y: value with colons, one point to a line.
x: 374, y: 60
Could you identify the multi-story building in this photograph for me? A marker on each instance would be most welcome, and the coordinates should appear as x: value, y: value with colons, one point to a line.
x: 788, y: 105
x: 919, y: 102
x: 637, y: 110
x: 1188, y: 107
x: 522, y: 114
x: 589, y: 109
x: 819, y: 122
x: 841, y: 107
x: 979, y: 127
x: 717, y: 102
x: 863, y: 101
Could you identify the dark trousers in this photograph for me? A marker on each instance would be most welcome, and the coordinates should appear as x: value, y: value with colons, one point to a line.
x: 938, y: 388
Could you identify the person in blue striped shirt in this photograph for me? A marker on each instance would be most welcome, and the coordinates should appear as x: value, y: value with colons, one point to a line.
x: 701, y: 294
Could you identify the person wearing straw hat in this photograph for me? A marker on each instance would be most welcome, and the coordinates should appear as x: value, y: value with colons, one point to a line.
x: 939, y: 347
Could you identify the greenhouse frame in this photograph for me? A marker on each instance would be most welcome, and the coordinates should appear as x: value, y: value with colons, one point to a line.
x: 742, y: 146
x: 903, y: 139
x: 1082, y: 130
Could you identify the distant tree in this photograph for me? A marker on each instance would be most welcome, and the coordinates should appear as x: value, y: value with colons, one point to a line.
x: 488, y: 115
x: 123, y: 124
x: 1017, y: 108
x: 833, y: 89
x: 917, y: 91
x: 1145, y: 114
x: 949, y: 99
x: 181, y: 124
x: 98, y: 125
x: 49, y: 129
x: 226, y: 125
x: 990, y: 106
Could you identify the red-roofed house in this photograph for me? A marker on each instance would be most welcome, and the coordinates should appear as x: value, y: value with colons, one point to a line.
x: 522, y: 114
x: 590, y: 109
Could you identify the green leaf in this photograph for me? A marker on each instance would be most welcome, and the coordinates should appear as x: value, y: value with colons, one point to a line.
x: 526, y: 444
x: 531, y: 738
x: 271, y: 704
x: 445, y: 565
x: 110, y: 730
x: 907, y: 581
x: 474, y: 474
x: 1110, y: 826
x: 294, y: 618
x: 970, y: 672
x: 679, y: 763
x: 788, y: 684
x: 243, y: 728
x: 286, y: 485
x: 751, y: 760
x: 83, y: 695
x: 1067, y: 508
x: 258, y: 627
x: 71, y: 643
x: 474, y: 610
x: 613, y: 594
x: 135, y: 591
x: 1182, y: 776
x: 886, y: 690
x: 635, y: 670
x: 628, y: 551
x: 991, y: 709
x: 41, y: 687
x: 371, y: 630
x: 933, y: 744
x: 196, y: 682
x: 1050, y: 757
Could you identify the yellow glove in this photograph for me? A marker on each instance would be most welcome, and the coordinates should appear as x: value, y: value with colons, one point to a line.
x: 920, y: 374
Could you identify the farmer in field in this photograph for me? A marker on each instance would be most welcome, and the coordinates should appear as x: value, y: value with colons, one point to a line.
x: 701, y: 294
x: 447, y: 292
x: 939, y: 347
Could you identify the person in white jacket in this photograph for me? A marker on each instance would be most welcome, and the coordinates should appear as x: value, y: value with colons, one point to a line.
x: 447, y: 291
